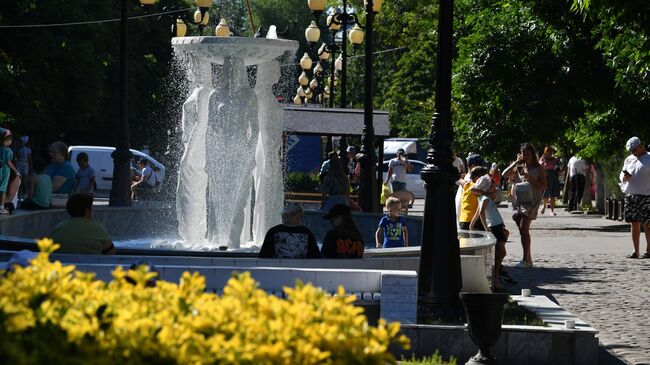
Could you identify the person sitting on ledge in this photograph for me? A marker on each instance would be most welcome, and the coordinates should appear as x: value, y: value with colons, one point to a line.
x: 344, y: 240
x: 81, y: 234
x: 290, y: 240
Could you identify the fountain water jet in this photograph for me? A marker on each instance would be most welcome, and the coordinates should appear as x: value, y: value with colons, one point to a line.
x: 232, y: 136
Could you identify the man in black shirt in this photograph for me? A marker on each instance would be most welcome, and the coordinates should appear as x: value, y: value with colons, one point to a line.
x: 290, y: 240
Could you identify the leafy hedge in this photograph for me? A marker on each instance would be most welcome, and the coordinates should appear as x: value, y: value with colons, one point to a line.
x: 51, y: 313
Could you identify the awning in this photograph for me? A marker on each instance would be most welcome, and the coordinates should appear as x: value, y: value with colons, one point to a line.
x: 331, y: 121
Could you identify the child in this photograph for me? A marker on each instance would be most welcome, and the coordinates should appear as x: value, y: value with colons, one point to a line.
x: 5, y: 172
x: 487, y: 213
x: 392, y: 231
x: 40, y: 189
x: 85, y: 178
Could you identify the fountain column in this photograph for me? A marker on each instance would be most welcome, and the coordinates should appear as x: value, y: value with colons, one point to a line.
x: 191, y: 206
x: 269, y: 186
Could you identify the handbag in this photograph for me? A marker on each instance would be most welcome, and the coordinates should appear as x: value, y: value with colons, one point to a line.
x: 523, y: 193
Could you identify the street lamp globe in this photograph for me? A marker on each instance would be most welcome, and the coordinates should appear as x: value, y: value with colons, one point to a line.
x: 300, y: 92
x: 312, y: 33
x: 202, y: 3
x: 303, y: 80
x: 222, y: 29
x: 201, y: 18
x: 376, y: 5
x: 148, y: 2
x: 356, y: 35
x: 181, y: 28
x: 323, y: 54
x: 313, y: 84
x: 338, y: 64
x: 332, y: 23
x: 316, y: 5
x: 305, y: 62
x: 318, y: 69
x: 297, y: 100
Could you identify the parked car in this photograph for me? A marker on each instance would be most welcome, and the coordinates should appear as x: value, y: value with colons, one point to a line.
x: 414, y: 182
x: 100, y: 159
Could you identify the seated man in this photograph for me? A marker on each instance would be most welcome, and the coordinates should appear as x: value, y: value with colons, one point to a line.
x: 81, y: 234
x: 290, y: 239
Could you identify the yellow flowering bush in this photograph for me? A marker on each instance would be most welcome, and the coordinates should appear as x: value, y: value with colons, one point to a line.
x: 53, y: 314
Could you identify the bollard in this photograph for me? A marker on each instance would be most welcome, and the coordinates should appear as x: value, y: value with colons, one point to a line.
x: 616, y: 207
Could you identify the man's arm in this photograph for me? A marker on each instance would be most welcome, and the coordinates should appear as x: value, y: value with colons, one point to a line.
x: 389, y: 173
x: 108, y: 248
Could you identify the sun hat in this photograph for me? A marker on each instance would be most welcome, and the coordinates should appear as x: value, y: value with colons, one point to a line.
x: 337, y: 211
x: 632, y: 143
x: 483, y: 183
x: 20, y: 258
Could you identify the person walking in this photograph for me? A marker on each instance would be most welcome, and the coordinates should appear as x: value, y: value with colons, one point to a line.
x: 577, y: 170
x: 336, y: 184
x: 529, y: 182
x: 635, y: 184
x: 551, y: 165
x: 397, y: 169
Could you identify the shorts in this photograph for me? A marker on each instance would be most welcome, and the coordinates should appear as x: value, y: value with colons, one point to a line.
x: 398, y: 186
x: 499, y: 232
x: 637, y: 208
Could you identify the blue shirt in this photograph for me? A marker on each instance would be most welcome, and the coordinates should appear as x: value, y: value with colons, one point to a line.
x: 393, y: 231
x: 492, y: 215
x: 84, y: 177
x: 64, y: 169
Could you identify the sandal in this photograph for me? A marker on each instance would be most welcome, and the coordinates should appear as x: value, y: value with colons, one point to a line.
x: 646, y: 255
x: 633, y: 256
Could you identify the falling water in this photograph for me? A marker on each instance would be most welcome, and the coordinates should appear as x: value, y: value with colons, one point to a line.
x: 231, y: 137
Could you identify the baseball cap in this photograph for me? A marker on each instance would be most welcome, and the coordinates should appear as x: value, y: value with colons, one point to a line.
x: 483, y: 183
x: 337, y: 211
x: 475, y: 159
x: 20, y: 258
x: 351, y: 149
x: 632, y: 143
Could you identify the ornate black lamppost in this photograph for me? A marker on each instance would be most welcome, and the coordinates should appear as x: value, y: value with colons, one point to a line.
x: 121, y: 186
x: 439, y: 278
x: 368, y: 198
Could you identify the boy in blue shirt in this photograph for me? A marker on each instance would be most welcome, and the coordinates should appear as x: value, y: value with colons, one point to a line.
x: 392, y: 231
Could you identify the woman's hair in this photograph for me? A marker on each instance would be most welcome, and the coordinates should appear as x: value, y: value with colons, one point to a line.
x: 61, y: 148
x: 337, y: 176
x: 348, y: 228
x: 529, y: 147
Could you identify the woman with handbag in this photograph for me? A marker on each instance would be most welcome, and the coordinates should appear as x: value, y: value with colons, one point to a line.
x: 529, y: 182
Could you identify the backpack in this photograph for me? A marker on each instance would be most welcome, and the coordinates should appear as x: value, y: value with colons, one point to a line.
x: 523, y: 193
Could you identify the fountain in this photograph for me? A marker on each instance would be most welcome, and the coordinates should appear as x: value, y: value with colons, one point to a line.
x: 232, y: 135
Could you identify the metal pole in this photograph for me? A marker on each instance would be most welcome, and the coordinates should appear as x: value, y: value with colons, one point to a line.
x: 343, y: 144
x: 439, y: 278
x: 332, y: 68
x: 121, y: 185
x: 368, y: 183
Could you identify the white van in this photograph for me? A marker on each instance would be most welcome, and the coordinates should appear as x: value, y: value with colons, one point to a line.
x: 100, y: 159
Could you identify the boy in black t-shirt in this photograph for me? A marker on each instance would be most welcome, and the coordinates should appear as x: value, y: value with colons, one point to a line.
x: 344, y: 240
x: 290, y: 239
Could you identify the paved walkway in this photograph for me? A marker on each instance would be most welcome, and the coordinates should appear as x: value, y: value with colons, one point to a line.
x: 579, y: 261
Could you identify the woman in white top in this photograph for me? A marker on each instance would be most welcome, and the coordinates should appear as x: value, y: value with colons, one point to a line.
x: 635, y: 183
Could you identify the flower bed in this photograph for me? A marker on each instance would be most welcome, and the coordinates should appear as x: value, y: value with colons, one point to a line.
x: 51, y: 313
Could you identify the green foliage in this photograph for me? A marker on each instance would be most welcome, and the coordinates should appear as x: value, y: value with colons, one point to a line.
x: 436, y: 359
x: 514, y: 314
x: 301, y: 182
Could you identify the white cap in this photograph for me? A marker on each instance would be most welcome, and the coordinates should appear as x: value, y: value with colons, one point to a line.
x: 632, y: 143
x: 483, y: 183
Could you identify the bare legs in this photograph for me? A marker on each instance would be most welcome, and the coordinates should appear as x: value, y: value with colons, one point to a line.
x: 636, y: 236
x: 523, y: 223
x: 546, y: 203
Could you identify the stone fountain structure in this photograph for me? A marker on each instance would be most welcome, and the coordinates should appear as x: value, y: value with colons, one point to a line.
x: 232, y: 134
